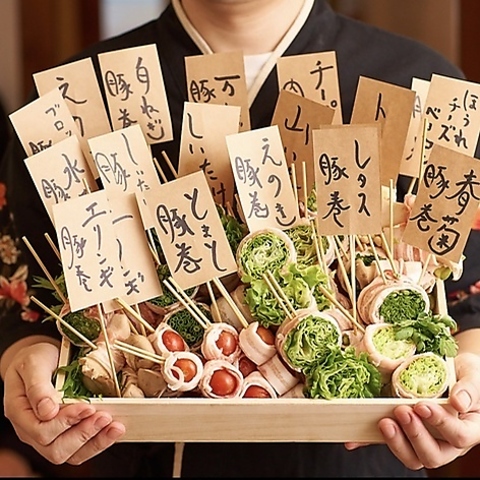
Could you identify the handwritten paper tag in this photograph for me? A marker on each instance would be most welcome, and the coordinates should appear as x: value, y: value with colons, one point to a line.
x: 125, y: 165
x: 219, y: 78
x: 261, y: 176
x: 347, y: 178
x: 140, y: 279
x: 44, y: 122
x: 79, y: 87
x: 296, y: 118
x: 452, y: 111
x: 86, y: 241
x: 391, y: 106
x: 410, y: 164
x: 203, y: 146
x: 136, y: 92
x: 60, y: 173
x: 446, y: 204
x: 313, y: 76
x: 190, y: 230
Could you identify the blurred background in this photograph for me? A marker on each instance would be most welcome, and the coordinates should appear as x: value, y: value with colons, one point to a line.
x: 38, y: 34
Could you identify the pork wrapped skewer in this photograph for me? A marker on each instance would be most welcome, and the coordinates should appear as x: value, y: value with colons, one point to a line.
x: 257, y: 343
x: 256, y: 385
x: 182, y: 371
x: 220, y: 379
x: 221, y: 341
x: 425, y: 375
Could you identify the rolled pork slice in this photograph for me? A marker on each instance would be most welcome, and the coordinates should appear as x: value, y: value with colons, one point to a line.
x: 264, y: 250
x: 295, y: 392
x: 166, y: 340
x: 424, y: 375
x: 220, y: 379
x: 254, y: 346
x: 182, y: 371
x: 307, y: 338
x: 383, y: 349
x: 278, y: 374
x: 256, y: 385
x: 221, y: 341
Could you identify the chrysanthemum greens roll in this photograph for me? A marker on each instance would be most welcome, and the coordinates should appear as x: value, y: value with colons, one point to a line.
x: 265, y: 250
x: 425, y: 375
x: 394, y: 301
x: 307, y: 338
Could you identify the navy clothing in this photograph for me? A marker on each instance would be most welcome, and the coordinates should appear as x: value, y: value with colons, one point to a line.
x: 361, y: 51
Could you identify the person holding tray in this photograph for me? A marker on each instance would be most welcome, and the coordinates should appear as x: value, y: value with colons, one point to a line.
x: 264, y: 30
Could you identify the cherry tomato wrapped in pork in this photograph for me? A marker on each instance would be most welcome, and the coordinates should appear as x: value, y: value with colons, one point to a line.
x: 220, y: 379
x: 221, y: 341
x: 182, y: 371
x: 166, y: 340
x: 257, y: 343
x: 256, y: 385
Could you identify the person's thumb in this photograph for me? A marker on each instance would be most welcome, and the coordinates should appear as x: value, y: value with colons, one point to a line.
x: 36, y: 371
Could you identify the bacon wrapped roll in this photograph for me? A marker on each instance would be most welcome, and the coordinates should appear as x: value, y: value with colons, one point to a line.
x: 256, y: 385
x: 424, y: 375
x: 220, y: 379
x: 182, y: 371
x: 221, y: 341
x: 307, y: 338
x: 257, y: 343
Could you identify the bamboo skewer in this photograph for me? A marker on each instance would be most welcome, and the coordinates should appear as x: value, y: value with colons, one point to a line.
x: 52, y: 245
x: 65, y: 323
x: 425, y: 267
x: 353, y: 277
x: 305, y: 192
x: 169, y: 163
x: 293, y: 174
x: 213, y: 301
x: 139, y: 352
x: 221, y: 287
x: 422, y: 154
x: 377, y: 260
x: 275, y: 289
x: 337, y: 304
x: 109, y: 351
x: 390, y: 213
x: 389, y: 253
x: 44, y: 268
x: 343, y: 270
x: 160, y: 170
x: 135, y: 314
x: 187, y: 302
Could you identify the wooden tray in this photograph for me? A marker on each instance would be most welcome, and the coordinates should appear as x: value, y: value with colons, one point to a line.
x: 250, y: 420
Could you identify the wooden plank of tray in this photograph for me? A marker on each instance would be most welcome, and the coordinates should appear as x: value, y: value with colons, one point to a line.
x: 251, y: 420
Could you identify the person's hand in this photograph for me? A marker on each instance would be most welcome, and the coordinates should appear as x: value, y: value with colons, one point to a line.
x: 70, y: 433
x: 454, y: 429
